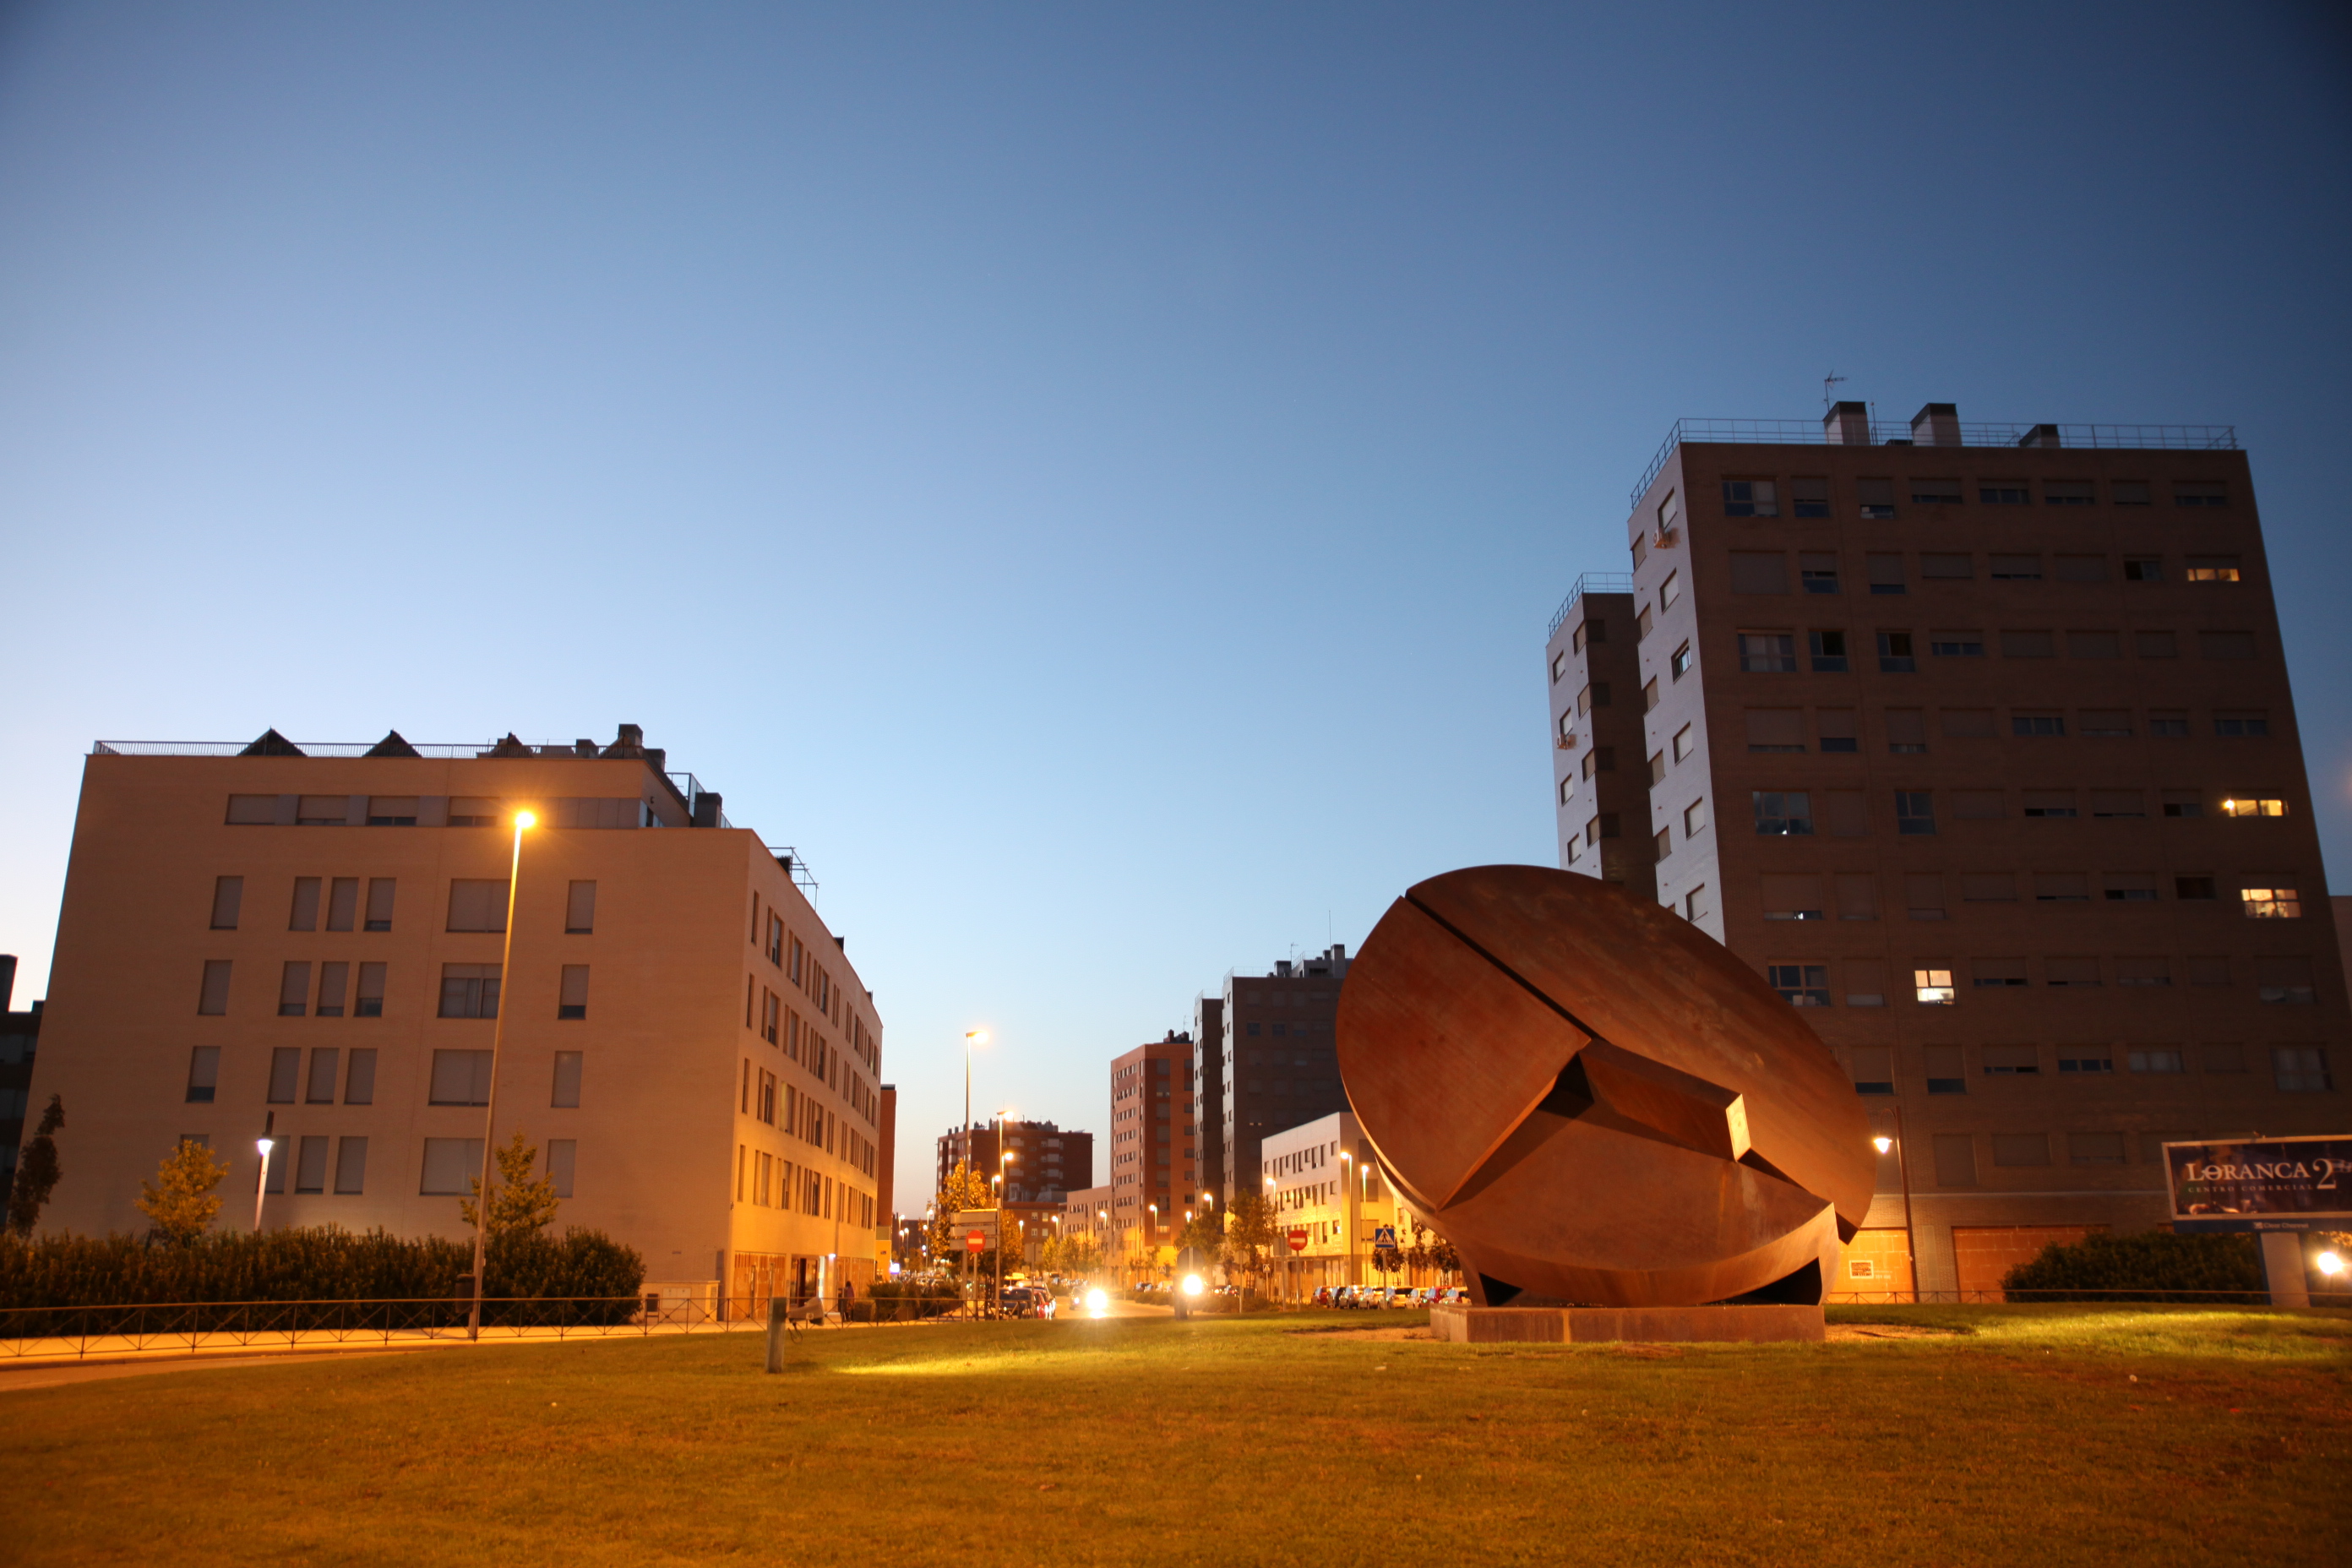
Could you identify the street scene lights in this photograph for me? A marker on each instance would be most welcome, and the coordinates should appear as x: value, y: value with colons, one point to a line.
x: 1883, y: 1144
x: 522, y: 821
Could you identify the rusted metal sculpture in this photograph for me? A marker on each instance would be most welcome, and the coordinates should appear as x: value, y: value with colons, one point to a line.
x: 1594, y: 1102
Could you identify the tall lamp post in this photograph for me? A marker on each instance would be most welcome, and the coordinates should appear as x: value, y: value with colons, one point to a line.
x: 1348, y: 1225
x: 265, y: 1143
x: 490, y: 1104
x: 1902, y: 1165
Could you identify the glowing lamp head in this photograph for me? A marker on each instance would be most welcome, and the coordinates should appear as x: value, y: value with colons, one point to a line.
x: 526, y: 820
x: 2330, y: 1263
x: 261, y: 1147
x: 1881, y: 1143
x: 1192, y: 1284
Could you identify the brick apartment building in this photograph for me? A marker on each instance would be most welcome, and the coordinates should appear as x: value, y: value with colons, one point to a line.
x: 1262, y: 1062
x: 1978, y: 742
x: 1152, y: 1166
x: 305, y: 944
x: 1040, y: 1163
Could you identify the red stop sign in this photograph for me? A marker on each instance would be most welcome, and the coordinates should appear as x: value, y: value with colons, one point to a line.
x: 1298, y: 1239
x: 976, y: 1240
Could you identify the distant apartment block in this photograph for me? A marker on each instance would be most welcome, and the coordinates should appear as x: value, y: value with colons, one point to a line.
x: 1978, y: 742
x: 1152, y: 1166
x: 305, y: 943
x: 20, y: 1039
x: 1038, y: 1163
x: 1271, y: 1066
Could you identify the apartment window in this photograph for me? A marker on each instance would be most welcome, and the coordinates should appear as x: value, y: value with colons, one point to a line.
x: 571, y: 1001
x: 342, y: 904
x: 478, y: 904
x: 2199, y: 492
x: 2003, y: 492
x: 2148, y: 971
x: 2128, y: 492
x: 359, y: 1083
x: 1775, y: 729
x: 2157, y: 1059
x: 2193, y: 889
x: 304, y: 915
x: 2028, y: 645
x: 1601, y: 760
x: 1873, y: 1069
x: 1845, y: 814
x: 392, y: 811
x: 1567, y: 729
x: 252, y: 810
x: 2071, y: 972
x: 1914, y: 811
x: 2225, y: 645
x: 1947, y: 1069
x: 461, y: 1078
x: 2183, y: 803
x: 2105, y: 723
x: 1956, y: 645
x: 1792, y: 898
x: 1876, y: 498
x: 2168, y: 721
x: 1696, y: 906
x: 1662, y: 844
x: 203, y: 1074
x: 369, y: 1001
x: 285, y: 1074
x: 2067, y: 492
x: 1684, y: 743
x: 1657, y: 767
x: 1922, y: 895
x: 1602, y: 827
x: 323, y: 811
x: 1750, y: 497
x: 1964, y: 723
x: 1996, y: 974
x: 1767, y: 653
x: 1644, y: 622
x: 1680, y: 662
x: 1783, y: 812
x: 1560, y: 662
x: 1895, y: 656
x: 1837, y: 729
x: 2271, y: 903
x: 474, y: 811
x: 1669, y: 591
x: 1857, y: 897
x: 1828, y: 650
x: 2016, y: 568
x: 1946, y: 566
x: 2249, y: 724
x: 579, y: 909
x: 2301, y: 1070
x: 2061, y: 888
x: 2049, y: 803
x: 1591, y: 631
x: 562, y: 1158
x: 2224, y: 1058
x: 1886, y: 573
x: 566, y: 1093
x: 1906, y: 730
x: 1865, y: 982
x: 2284, y: 978
x: 2011, y: 1061
x: 1649, y: 694
x: 2082, y: 568
x: 2094, y: 645
x: 2095, y: 1148
x: 1694, y: 818
x: 321, y: 1087
x: 1567, y: 788
x: 1935, y: 492
x: 228, y: 896
x: 469, y: 990
x: 1818, y: 571
x: 2130, y: 887
x: 1978, y: 804
x: 310, y: 1165
x: 294, y: 990
x: 351, y: 1167
x: 2213, y: 569
x: 1933, y: 987
x: 379, y: 902
x: 451, y: 1167
x: 1759, y: 572
x: 1810, y: 496
x: 1800, y: 985
x: 1956, y: 1160
x: 2143, y: 568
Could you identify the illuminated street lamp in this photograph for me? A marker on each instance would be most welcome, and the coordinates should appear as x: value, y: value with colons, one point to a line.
x: 522, y: 820
x: 1881, y: 1143
x: 265, y: 1143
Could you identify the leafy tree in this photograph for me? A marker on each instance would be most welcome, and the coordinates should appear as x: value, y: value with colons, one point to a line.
x: 36, y: 1171
x: 521, y: 1205
x: 962, y: 1190
x: 181, y: 1200
x: 1204, y: 1233
x: 1249, y: 1237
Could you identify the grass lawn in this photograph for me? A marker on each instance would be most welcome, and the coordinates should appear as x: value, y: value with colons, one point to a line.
x: 1947, y: 1435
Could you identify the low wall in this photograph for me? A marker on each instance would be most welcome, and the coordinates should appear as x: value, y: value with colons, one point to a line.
x: 1603, y: 1325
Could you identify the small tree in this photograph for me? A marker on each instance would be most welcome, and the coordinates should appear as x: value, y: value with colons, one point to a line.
x: 521, y: 1205
x: 181, y: 1201
x: 961, y: 1190
x: 36, y: 1171
x: 1204, y: 1233
x: 1249, y: 1236
x: 1079, y: 1256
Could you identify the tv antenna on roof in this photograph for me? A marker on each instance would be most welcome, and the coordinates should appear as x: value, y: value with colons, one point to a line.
x: 1827, y: 381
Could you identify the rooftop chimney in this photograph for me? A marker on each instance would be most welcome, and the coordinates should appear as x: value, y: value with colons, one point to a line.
x: 2040, y: 435
x: 1935, y: 425
x: 706, y: 809
x: 1846, y: 424
x: 7, y: 979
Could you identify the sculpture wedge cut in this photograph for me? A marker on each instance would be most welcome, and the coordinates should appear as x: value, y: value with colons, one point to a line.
x: 1596, y: 1102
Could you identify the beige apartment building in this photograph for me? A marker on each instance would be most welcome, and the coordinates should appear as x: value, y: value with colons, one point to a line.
x: 1329, y: 1196
x: 305, y: 943
x: 1978, y: 742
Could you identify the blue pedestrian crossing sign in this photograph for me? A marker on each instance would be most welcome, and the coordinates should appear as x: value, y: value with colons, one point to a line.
x: 1384, y: 1236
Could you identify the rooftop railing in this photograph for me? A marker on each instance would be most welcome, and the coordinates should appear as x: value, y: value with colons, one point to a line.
x: 1589, y: 583
x: 1812, y: 433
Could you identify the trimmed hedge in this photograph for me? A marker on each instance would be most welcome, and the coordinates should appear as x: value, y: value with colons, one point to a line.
x: 325, y: 1264
x: 2148, y: 1265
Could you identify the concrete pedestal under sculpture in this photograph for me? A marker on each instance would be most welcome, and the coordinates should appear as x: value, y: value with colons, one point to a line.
x: 1596, y: 1103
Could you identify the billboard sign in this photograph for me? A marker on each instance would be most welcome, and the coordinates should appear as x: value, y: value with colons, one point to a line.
x: 2261, y: 1183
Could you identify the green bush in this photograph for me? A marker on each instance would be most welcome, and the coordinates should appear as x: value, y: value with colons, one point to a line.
x: 325, y: 1264
x: 2148, y: 1265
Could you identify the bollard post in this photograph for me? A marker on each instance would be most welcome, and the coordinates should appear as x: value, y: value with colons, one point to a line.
x: 776, y: 1325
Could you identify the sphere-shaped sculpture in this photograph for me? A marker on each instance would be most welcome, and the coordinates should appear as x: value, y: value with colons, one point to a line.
x: 1596, y: 1102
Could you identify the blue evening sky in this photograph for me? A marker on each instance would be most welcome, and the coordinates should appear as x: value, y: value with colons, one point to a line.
x: 1094, y: 478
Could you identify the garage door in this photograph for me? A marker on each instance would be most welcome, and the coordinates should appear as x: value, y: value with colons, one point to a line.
x: 1982, y: 1254
x: 1876, y: 1265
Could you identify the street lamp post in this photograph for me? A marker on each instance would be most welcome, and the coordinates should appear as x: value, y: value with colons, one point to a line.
x: 265, y: 1143
x: 1347, y: 1227
x: 1903, y: 1166
x: 490, y: 1104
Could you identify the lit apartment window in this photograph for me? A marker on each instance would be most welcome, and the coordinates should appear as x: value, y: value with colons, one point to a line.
x: 1895, y: 655
x: 2271, y: 903
x: 228, y: 896
x: 1915, y: 812
x: 1749, y: 498
x: 2143, y: 568
x: 2213, y: 569
x: 1783, y: 812
x: 2247, y: 805
x: 1827, y: 649
x: 1933, y: 987
x: 1767, y: 653
x: 1800, y: 985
